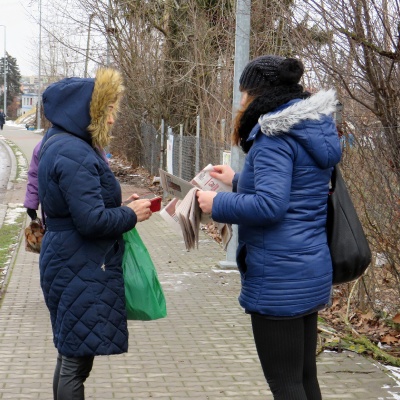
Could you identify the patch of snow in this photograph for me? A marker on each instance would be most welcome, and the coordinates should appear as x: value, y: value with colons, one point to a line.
x: 12, y: 123
x: 380, y: 259
x: 13, y: 212
x: 226, y: 271
x: 393, y: 391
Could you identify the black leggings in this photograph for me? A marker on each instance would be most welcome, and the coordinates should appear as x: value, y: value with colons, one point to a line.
x: 287, y: 352
x: 69, y: 376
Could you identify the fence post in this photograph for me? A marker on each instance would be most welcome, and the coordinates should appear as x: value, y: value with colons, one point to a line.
x: 180, y: 149
x: 197, y: 165
x: 152, y: 148
x: 223, y: 128
x: 162, y: 145
x: 170, y: 151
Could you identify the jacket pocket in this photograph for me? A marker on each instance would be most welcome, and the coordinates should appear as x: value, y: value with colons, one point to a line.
x: 241, y: 258
x: 115, y: 254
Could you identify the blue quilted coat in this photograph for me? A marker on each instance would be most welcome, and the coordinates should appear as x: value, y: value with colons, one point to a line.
x: 80, y: 260
x: 280, y: 208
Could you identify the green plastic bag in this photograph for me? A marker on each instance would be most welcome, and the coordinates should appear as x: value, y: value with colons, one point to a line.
x: 144, y: 296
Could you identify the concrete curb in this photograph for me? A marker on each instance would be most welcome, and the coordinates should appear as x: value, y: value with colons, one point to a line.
x: 3, y: 212
x: 14, y: 164
x: 11, y: 178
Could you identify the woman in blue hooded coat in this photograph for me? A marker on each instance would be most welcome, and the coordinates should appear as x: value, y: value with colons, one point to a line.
x: 279, y: 202
x: 81, y: 255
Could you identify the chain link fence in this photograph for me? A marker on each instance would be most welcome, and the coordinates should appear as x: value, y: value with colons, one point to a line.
x: 151, y: 139
x: 186, y: 154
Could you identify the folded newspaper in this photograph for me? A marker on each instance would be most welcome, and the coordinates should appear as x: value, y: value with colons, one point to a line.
x: 183, y: 213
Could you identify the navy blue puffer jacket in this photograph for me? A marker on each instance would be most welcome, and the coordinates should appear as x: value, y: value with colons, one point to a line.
x: 280, y: 208
x: 80, y: 260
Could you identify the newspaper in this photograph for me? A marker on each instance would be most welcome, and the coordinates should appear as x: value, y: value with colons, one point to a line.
x: 189, y: 214
x: 183, y: 213
x: 175, y: 186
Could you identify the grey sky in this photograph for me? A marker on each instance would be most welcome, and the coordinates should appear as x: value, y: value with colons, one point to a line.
x: 22, y: 33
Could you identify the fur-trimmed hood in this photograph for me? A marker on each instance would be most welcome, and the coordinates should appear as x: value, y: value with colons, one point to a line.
x: 79, y: 106
x: 108, y: 89
x: 309, y: 122
x: 321, y: 103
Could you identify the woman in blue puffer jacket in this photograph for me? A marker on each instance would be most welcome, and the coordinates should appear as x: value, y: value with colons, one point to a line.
x: 81, y: 254
x: 279, y: 203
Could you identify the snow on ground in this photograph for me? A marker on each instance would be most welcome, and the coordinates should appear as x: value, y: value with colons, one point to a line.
x: 393, y: 391
x: 22, y: 126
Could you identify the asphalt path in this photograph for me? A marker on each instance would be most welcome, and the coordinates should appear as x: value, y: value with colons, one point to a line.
x: 5, y: 170
x: 26, y: 141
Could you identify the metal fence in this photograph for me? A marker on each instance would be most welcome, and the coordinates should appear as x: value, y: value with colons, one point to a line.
x: 150, y: 158
x: 185, y: 154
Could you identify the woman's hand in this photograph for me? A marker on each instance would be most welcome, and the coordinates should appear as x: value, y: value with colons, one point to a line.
x: 205, y: 200
x: 32, y: 213
x: 224, y: 173
x: 131, y: 198
x: 141, y: 209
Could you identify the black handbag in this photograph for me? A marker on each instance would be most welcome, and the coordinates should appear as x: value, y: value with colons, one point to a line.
x: 348, y: 245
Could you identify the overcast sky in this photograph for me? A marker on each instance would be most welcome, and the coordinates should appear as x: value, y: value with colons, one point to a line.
x: 22, y: 33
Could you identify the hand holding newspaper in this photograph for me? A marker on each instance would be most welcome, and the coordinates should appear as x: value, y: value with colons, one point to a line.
x: 183, y: 212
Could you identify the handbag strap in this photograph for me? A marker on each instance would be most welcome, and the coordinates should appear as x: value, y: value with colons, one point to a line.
x: 335, y: 172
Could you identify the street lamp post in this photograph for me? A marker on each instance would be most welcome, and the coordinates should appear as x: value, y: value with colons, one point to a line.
x: 5, y: 70
x: 40, y: 67
x: 91, y: 16
x: 242, y: 51
x: 107, y: 32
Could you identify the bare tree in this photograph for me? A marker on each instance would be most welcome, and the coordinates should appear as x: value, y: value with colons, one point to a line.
x: 354, y: 45
x: 72, y: 45
x: 177, y: 57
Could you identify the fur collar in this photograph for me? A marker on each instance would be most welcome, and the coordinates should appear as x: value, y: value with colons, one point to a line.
x: 321, y: 103
x: 108, y: 89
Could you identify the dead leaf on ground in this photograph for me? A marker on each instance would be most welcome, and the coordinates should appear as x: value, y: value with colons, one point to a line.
x: 396, y: 318
x: 389, y: 339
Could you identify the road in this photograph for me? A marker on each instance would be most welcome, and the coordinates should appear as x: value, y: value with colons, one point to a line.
x: 5, y: 170
x: 26, y: 141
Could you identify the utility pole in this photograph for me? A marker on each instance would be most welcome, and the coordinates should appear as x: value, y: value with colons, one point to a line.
x: 88, y: 44
x: 40, y: 68
x: 5, y: 70
x: 108, y: 32
x: 242, y: 51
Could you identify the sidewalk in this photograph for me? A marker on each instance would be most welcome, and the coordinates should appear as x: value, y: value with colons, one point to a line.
x: 202, y: 350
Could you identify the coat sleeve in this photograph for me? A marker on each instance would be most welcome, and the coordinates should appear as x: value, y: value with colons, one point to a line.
x: 79, y: 181
x: 32, y: 195
x: 272, y: 163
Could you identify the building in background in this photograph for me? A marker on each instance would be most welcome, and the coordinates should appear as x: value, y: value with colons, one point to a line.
x: 28, y: 102
x: 29, y: 89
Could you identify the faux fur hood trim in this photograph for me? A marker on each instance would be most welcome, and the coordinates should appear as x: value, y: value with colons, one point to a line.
x: 321, y: 103
x: 108, y: 89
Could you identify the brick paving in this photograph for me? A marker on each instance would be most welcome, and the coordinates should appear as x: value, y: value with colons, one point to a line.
x: 202, y: 350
